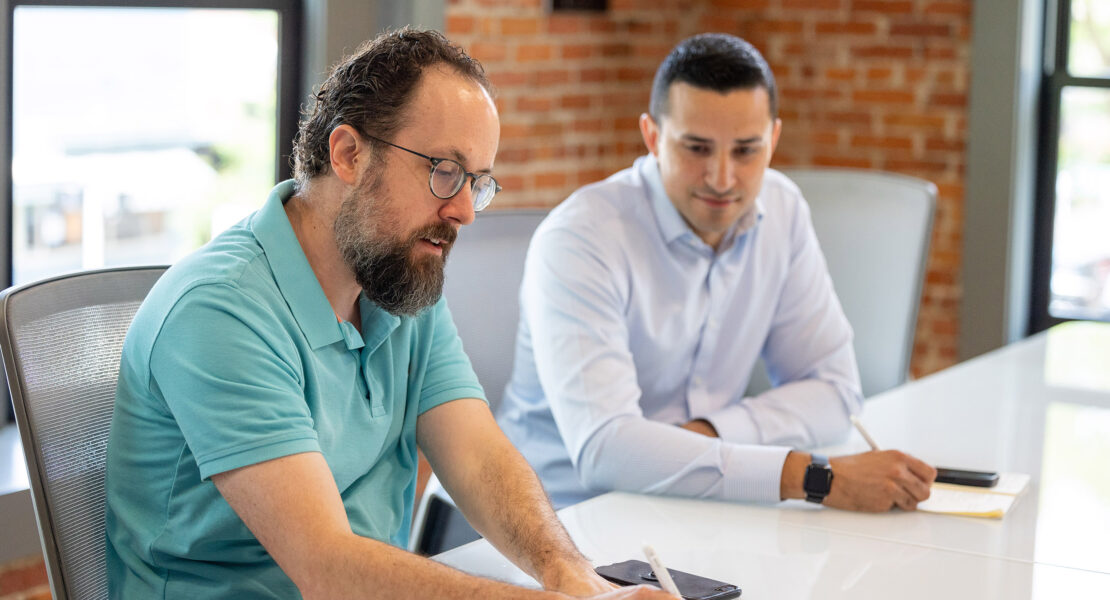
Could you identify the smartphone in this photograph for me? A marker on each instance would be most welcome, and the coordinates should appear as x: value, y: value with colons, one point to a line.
x: 962, y: 477
x: 692, y: 587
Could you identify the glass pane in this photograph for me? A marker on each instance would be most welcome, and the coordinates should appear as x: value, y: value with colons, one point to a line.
x: 1089, y: 52
x: 1080, y: 286
x: 137, y: 133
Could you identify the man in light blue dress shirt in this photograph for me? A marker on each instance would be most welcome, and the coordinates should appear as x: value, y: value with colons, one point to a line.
x: 275, y: 385
x: 648, y: 298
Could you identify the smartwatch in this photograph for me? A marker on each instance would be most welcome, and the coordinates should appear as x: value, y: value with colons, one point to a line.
x: 818, y: 479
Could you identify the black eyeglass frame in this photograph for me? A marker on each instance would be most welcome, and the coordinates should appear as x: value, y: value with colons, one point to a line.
x: 474, y: 177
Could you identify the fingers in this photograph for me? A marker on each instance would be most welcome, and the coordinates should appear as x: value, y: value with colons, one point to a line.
x: 636, y: 592
x: 922, y: 470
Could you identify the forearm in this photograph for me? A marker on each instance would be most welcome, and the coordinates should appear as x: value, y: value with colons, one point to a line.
x: 506, y: 503
x: 639, y: 455
x: 356, y: 567
x: 800, y: 414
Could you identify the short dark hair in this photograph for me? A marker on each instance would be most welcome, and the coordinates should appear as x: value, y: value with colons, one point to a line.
x: 714, y: 61
x: 370, y: 90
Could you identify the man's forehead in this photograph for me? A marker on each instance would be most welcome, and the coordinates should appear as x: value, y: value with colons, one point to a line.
x: 740, y: 113
x: 452, y: 116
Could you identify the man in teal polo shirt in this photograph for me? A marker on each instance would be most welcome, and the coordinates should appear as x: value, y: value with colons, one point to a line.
x: 275, y: 384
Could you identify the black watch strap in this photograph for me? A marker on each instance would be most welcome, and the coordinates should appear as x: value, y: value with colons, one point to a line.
x: 818, y: 478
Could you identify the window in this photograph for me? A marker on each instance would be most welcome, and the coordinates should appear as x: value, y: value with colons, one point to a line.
x: 1071, y: 278
x: 141, y: 128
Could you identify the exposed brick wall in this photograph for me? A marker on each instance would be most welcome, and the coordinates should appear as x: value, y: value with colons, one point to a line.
x: 878, y: 84
x: 24, y: 579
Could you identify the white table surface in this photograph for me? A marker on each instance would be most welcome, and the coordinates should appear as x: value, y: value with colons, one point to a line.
x: 1040, y: 406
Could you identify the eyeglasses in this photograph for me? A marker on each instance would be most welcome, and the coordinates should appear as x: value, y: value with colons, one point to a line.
x: 447, y: 177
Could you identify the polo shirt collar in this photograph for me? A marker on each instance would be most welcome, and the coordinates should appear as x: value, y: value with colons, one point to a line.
x: 294, y: 276
x: 671, y: 224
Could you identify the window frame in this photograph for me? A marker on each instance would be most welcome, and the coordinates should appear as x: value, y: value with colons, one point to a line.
x: 1055, y: 80
x: 289, y: 71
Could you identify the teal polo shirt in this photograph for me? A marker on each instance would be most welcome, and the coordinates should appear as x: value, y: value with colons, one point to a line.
x: 236, y: 358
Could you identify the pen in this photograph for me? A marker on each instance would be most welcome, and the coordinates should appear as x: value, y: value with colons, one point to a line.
x: 661, y: 572
x: 863, y: 432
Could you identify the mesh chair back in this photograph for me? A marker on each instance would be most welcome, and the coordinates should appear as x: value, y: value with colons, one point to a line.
x: 482, y: 287
x: 61, y: 339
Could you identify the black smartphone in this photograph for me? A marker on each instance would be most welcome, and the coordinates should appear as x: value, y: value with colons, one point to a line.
x: 963, y: 477
x: 692, y: 587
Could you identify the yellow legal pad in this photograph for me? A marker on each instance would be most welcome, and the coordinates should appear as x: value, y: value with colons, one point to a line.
x: 970, y: 501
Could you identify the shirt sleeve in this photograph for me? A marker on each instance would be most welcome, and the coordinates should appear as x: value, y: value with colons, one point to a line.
x: 809, y: 359
x: 230, y: 375
x: 449, y: 374
x: 573, y: 298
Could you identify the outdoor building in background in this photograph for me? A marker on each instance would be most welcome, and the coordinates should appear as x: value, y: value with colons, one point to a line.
x: 138, y: 133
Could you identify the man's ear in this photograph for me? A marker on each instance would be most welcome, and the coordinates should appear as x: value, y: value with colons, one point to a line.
x: 345, y: 147
x: 649, y: 129
x: 776, y: 131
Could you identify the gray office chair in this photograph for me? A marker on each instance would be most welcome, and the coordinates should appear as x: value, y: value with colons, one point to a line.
x: 482, y: 287
x: 61, y: 339
x: 874, y: 229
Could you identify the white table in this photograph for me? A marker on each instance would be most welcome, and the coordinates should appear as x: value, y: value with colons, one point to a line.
x: 1040, y: 406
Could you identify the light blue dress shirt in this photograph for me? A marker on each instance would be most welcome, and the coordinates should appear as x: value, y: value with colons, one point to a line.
x: 236, y: 357
x: 631, y: 324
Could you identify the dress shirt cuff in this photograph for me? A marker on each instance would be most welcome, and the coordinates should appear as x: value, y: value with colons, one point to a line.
x: 754, y: 473
x: 733, y: 424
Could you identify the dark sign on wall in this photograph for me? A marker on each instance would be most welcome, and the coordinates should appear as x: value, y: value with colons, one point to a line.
x: 569, y: 5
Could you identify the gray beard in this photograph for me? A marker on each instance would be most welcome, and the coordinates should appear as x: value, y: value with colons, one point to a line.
x: 384, y: 265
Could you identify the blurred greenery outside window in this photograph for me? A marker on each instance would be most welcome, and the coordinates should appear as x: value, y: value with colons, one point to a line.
x: 1079, y: 281
x: 138, y: 133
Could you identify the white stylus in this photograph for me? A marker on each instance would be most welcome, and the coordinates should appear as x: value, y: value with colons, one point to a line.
x: 866, y: 436
x: 661, y: 572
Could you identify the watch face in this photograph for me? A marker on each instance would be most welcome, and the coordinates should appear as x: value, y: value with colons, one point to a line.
x: 818, y: 480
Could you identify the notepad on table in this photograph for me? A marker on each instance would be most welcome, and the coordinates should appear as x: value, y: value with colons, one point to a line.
x: 970, y: 501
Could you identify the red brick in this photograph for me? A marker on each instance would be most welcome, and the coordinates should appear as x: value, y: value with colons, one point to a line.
x: 854, y: 28
x: 879, y: 73
x: 961, y: 9
x: 959, y: 100
x: 914, y: 120
x: 921, y: 29
x: 488, y: 51
x: 886, y: 51
x: 551, y: 180
x: 576, y: 51
x: 744, y: 4
x: 812, y: 4
x: 533, y: 104
x: 507, y: 79
x: 22, y: 575
x: 848, y: 117
x: 588, y: 125
x: 520, y: 26
x: 919, y: 167
x: 574, y: 101
x: 773, y: 26
x: 550, y: 76
x: 883, y: 96
x: 510, y: 182
x: 890, y: 143
x: 840, y: 74
x: 534, y: 52
x: 617, y: 49
x: 594, y: 75
x: 565, y: 24
x: 883, y: 6
x: 459, y: 24
x: 842, y: 161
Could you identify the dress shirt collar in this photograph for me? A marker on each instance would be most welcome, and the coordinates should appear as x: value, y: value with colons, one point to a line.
x: 671, y: 223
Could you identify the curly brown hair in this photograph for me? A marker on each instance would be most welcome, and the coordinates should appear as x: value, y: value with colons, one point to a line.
x: 370, y: 90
